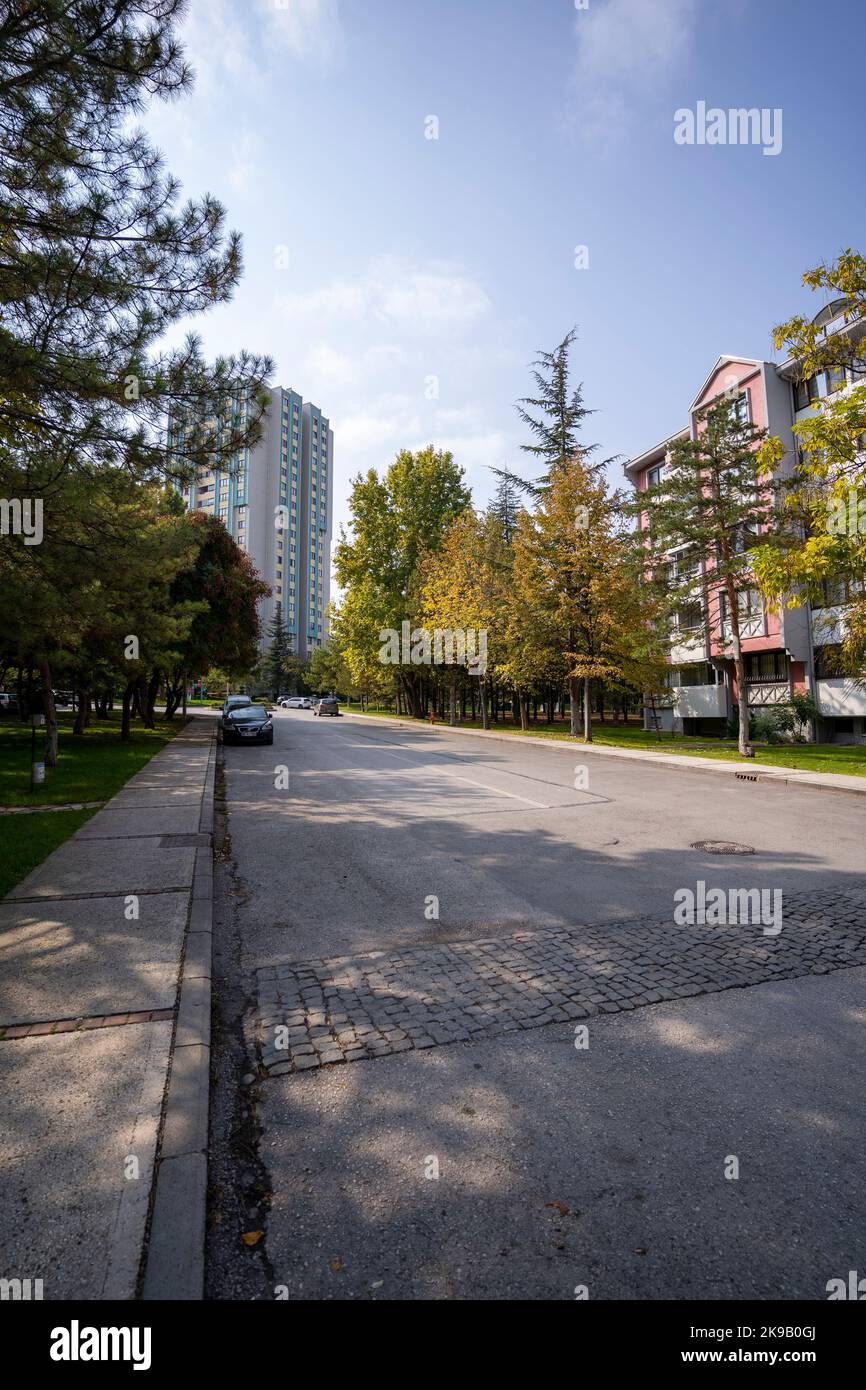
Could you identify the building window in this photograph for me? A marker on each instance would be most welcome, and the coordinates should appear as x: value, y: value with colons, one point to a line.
x: 766, y: 667
x: 689, y: 617
x: 700, y: 673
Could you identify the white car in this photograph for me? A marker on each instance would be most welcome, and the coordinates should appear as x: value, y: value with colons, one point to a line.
x: 295, y: 702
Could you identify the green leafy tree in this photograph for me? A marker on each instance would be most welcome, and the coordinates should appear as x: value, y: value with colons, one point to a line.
x: 395, y: 522
x: 577, y: 607
x: 819, y: 543
x: 712, y: 509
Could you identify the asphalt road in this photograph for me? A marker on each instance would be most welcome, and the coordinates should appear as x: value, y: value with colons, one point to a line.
x: 557, y: 1167
x: 375, y: 820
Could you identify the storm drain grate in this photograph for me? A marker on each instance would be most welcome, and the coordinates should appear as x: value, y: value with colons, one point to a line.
x: 722, y: 847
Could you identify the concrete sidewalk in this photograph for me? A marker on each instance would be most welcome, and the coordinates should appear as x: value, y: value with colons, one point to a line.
x: 95, y: 945
x: 741, y: 767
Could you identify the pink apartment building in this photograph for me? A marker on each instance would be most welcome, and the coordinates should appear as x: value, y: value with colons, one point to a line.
x: 790, y: 650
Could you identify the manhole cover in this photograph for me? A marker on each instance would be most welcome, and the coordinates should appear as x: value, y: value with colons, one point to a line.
x: 722, y: 847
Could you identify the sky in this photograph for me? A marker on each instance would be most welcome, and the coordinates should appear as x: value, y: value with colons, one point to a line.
x: 405, y: 283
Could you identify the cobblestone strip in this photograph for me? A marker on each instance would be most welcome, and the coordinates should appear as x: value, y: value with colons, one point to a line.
x: 80, y: 1025
x: 318, y: 1012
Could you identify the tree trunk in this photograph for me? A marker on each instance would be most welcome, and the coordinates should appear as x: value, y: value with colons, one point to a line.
x: 743, y: 746
x: 523, y: 703
x: 452, y: 699
x: 50, y: 712
x: 146, y: 717
x: 587, y: 709
x: 126, y: 714
x: 152, y: 692
x: 81, y: 713
x: 574, y: 705
x: 483, y: 693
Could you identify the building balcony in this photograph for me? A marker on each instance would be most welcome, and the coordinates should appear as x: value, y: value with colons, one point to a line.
x: 700, y: 702
x: 753, y: 625
x: 841, y: 698
x: 767, y: 692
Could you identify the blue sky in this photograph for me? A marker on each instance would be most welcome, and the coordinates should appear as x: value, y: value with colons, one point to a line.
x: 410, y: 258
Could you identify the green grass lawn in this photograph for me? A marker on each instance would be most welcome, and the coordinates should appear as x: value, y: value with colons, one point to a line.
x: 26, y: 840
x: 90, y: 768
x: 805, y: 757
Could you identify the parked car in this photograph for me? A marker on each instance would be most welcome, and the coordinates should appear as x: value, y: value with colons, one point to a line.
x: 235, y: 702
x: 63, y: 697
x: 327, y: 705
x: 247, y: 724
x: 295, y: 702
x: 8, y: 702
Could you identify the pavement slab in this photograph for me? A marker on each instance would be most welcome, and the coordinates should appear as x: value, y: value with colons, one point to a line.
x: 122, y: 822
x: 75, y: 1109
x: 84, y: 868
x: 91, y: 944
x: 83, y: 957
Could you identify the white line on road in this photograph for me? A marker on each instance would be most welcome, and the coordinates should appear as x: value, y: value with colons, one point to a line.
x: 497, y: 791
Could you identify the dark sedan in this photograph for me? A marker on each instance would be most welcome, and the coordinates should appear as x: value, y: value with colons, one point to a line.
x: 247, y: 724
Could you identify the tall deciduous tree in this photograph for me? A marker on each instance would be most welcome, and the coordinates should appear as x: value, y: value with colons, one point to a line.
x: 576, y: 601
x: 395, y: 522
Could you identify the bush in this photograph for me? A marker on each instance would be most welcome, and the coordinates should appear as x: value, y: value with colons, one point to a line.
x: 766, y: 727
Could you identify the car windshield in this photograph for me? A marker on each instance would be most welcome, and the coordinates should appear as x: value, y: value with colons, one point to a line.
x: 254, y: 713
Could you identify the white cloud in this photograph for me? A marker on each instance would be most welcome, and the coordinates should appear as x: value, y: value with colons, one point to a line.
x: 309, y: 30
x: 390, y: 421
x: 245, y: 165
x: 625, y: 49
x: 395, y: 293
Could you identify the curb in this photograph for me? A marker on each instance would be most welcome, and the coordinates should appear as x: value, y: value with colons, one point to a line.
x: 175, y: 1252
x: 745, y: 772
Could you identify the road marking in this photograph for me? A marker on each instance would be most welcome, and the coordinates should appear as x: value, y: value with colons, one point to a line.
x: 497, y: 791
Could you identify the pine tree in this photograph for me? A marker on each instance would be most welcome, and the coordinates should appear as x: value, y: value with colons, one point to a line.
x: 277, y: 651
x: 554, y: 416
x: 98, y: 259
x: 504, y: 509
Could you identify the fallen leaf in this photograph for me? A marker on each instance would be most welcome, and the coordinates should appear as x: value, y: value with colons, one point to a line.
x: 336, y: 1265
x: 252, y: 1237
x: 563, y: 1211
